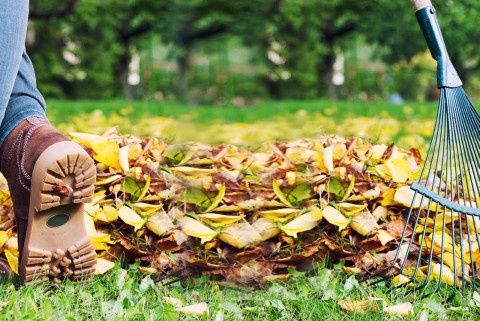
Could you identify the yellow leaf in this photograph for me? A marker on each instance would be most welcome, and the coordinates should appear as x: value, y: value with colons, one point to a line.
x: 303, y: 223
x: 194, y: 228
x: 328, y: 158
x: 108, y: 180
x: 145, y: 188
x: 147, y: 270
x: 335, y: 217
x: 145, y: 209
x: 12, y: 245
x: 217, y: 199
x: 358, y: 306
x: 447, y: 275
x: 364, y: 223
x: 100, y: 241
x: 352, y: 270
x: 123, y: 158
x: 199, y: 309
x: 398, y: 170
x: 88, y: 139
x: 266, y: 228
x: 401, y: 279
x: 3, y: 238
x: 239, y: 235
x: 159, y: 223
x: 388, y: 197
x: 349, y: 188
x: 192, y: 171
x: 404, y: 195
x: 384, y: 237
x: 276, y: 188
x: 103, y: 266
x: 130, y: 217
x: 350, y: 209
x: 402, y: 309
x: 276, y: 277
x: 173, y: 301
x: 12, y: 260
x: 107, y: 214
x: 280, y: 215
x: 217, y: 220
x: 377, y: 151
x: 380, y: 213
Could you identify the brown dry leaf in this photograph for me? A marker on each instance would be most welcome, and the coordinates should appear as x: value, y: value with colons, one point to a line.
x: 403, y: 309
x: 358, y: 306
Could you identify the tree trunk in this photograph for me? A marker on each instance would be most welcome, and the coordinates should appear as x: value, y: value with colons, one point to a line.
x: 122, y: 72
x: 183, y: 64
x: 326, y: 73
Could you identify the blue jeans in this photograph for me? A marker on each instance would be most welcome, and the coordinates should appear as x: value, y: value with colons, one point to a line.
x: 19, y: 97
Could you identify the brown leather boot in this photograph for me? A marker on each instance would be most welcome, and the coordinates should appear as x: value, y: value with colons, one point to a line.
x: 49, y: 178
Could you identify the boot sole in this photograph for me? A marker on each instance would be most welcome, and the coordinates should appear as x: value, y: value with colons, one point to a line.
x: 57, y: 245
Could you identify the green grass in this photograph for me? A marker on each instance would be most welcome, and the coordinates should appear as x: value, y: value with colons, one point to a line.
x: 125, y: 294
x: 63, y: 109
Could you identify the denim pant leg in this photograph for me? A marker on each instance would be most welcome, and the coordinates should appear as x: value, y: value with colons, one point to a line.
x: 13, y: 29
x: 25, y: 100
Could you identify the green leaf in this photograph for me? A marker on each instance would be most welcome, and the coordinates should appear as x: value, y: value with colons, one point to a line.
x: 174, y: 154
x: 298, y: 193
x: 350, y: 284
x: 132, y: 187
x: 323, y: 277
x: 200, y: 198
x: 337, y: 187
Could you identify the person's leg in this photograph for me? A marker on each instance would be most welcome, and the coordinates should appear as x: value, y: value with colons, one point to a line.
x: 13, y: 29
x: 49, y: 177
x: 25, y: 99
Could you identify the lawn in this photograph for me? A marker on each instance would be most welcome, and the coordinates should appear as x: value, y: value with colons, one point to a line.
x: 126, y: 294
x: 408, y: 125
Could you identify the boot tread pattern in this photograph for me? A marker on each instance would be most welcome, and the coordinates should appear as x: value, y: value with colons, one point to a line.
x: 77, y: 263
x: 58, y: 188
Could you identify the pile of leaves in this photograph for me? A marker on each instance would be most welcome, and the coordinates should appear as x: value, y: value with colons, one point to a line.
x: 247, y: 216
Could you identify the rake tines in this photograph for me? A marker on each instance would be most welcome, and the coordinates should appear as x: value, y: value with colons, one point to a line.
x: 444, y: 211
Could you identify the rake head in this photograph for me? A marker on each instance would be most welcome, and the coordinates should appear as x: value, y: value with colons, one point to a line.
x: 444, y: 246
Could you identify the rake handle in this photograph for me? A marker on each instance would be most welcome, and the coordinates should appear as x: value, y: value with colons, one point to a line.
x: 420, y: 4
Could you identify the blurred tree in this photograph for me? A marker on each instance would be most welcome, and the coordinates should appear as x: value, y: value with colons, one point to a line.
x: 82, y: 48
x: 302, y: 41
x: 395, y: 28
x: 186, y: 23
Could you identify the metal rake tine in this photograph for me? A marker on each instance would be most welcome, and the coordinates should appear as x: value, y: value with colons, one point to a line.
x: 442, y: 107
x: 473, y: 162
x: 430, y: 155
x: 465, y: 190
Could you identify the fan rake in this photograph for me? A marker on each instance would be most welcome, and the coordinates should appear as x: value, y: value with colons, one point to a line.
x: 443, y: 249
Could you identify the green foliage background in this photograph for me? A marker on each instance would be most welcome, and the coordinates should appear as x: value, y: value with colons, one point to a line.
x: 189, y: 50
